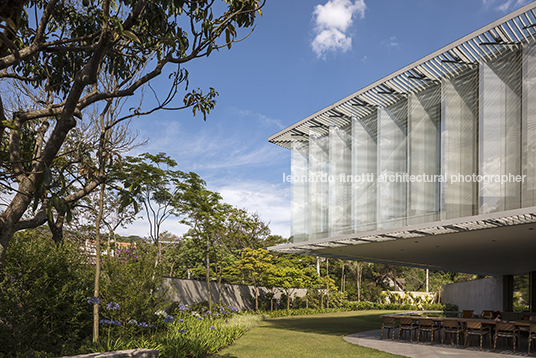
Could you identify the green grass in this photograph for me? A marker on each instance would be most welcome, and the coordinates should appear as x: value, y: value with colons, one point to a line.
x: 307, y: 336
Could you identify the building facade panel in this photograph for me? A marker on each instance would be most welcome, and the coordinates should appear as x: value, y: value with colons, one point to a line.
x: 451, y: 136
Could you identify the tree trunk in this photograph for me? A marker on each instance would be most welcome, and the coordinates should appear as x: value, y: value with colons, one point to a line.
x: 11, y: 216
x: 288, y: 300
x: 97, y: 265
x: 256, y: 298
x: 359, y: 283
x: 342, y: 278
x: 207, y: 263
x: 272, y: 301
x: 219, y: 282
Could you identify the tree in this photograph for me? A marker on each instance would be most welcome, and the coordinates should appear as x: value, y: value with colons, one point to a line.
x: 257, y: 264
x: 205, y: 214
x: 311, y: 280
x: 150, y: 181
x: 67, y: 50
x: 289, y: 279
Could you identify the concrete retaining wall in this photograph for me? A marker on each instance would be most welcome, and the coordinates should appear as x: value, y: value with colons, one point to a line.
x: 476, y: 295
x: 131, y: 353
x: 241, y: 296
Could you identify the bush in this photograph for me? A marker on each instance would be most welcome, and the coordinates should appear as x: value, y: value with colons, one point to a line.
x: 130, y: 279
x: 44, y: 289
x: 187, y: 333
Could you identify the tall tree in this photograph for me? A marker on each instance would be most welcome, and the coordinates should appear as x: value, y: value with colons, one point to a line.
x: 257, y: 264
x: 205, y: 214
x: 65, y: 47
x: 151, y: 181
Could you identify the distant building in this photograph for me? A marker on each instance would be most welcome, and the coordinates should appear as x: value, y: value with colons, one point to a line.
x: 433, y: 166
x: 90, y: 249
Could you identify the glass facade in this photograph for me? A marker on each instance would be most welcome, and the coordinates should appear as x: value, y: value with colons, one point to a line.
x: 462, y: 143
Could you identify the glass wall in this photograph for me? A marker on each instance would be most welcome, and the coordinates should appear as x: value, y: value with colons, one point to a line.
x: 318, y: 184
x: 392, y: 165
x: 340, y: 167
x: 458, y: 147
x: 364, y: 163
x: 424, y: 155
x: 500, y: 132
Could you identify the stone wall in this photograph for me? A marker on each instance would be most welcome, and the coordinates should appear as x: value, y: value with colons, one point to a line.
x: 476, y: 295
x: 131, y: 353
x: 241, y: 296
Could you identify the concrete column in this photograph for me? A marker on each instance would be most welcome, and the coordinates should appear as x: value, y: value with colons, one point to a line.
x: 532, y: 291
x: 508, y: 292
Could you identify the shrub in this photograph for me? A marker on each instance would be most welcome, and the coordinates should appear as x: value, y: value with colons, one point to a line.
x: 130, y: 279
x: 43, y: 293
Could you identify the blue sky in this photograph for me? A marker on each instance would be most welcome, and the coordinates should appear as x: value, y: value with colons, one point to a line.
x: 302, y: 56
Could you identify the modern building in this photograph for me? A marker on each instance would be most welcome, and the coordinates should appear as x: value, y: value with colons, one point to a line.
x: 433, y: 166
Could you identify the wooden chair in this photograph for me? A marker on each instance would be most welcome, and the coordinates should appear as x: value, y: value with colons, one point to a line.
x: 407, y: 324
x: 467, y: 314
x: 487, y: 314
x: 427, y: 325
x: 476, y: 329
x: 532, y: 334
x: 452, y: 327
x: 390, y: 324
x: 506, y: 330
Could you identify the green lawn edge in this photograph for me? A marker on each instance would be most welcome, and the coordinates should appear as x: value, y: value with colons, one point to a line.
x: 309, y: 336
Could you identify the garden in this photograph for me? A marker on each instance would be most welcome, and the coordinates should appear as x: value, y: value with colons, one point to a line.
x: 47, y: 302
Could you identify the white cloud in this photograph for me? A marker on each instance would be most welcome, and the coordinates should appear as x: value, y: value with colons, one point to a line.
x: 504, y: 6
x: 391, y: 42
x: 332, y: 22
x: 272, y: 202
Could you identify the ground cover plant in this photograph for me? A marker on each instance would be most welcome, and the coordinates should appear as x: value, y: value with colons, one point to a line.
x: 308, y: 336
x: 186, y: 332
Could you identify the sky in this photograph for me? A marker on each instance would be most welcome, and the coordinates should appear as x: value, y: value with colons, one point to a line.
x: 302, y: 56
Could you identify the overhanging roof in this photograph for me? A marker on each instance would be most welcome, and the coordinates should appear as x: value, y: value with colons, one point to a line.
x: 492, y: 244
x: 505, y: 34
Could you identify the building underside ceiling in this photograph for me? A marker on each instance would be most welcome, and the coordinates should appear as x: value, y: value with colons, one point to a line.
x: 493, y: 244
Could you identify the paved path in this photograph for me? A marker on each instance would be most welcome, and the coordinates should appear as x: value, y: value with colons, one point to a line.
x: 371, y: 339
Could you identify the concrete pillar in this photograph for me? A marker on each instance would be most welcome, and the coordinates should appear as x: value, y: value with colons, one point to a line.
x: 532, y: 291
x: 508, y: 292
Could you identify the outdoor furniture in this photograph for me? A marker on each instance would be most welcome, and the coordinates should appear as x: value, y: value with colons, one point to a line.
x: 476, y: 328
x: 506, y: 330
x: 390, y: 324
x: 532, y: 333
x: 467, y: 314
x: 487, y: 314
x: 452, y: 327
x: 407, y: 324
x: 427, y: 325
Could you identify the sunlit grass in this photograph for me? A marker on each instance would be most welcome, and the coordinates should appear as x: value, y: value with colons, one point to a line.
x: 307, y: 336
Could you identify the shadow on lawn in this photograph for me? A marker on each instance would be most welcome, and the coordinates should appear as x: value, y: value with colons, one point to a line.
x: 331, y: 325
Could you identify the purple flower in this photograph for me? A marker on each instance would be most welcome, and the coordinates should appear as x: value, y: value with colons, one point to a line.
x: 181, y: 320
x: 93, y: 300
x: 116, y: 323
x: 104, y: 321
x: 143, y: 324
x: 209, y: 312
x: 169, y: 319
x: 181, y: 331
x: 212, y: 327
x: 112, y: 306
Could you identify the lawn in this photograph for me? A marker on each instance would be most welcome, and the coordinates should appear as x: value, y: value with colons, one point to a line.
x: 308, y: 336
